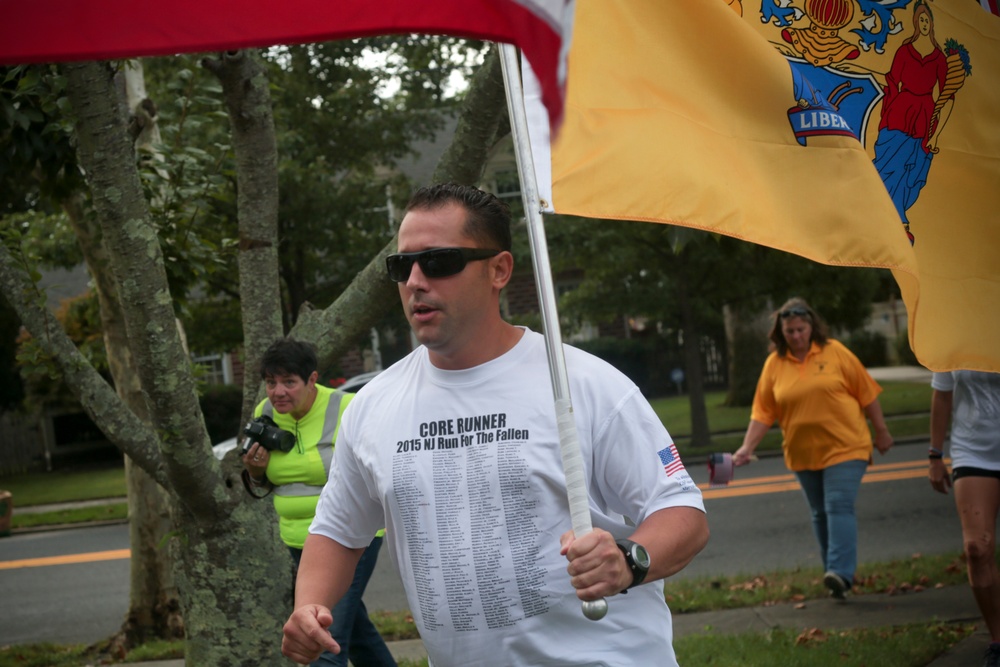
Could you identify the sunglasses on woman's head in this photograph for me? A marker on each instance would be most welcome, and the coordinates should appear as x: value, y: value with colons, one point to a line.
x: 794, y: 311
x: 434, y: 263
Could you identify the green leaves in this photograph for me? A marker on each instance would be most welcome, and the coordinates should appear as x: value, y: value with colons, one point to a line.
x: 37, y: 160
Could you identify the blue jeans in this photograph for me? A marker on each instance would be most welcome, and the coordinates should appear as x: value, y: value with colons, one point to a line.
x: 352, y: 629
x: 831, y: 493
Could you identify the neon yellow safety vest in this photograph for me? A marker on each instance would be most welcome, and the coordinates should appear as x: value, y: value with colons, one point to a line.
x: 298, y: 476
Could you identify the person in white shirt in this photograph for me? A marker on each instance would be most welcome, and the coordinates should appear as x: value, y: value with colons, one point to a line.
x: 455, y: 450
x: 970, y: 402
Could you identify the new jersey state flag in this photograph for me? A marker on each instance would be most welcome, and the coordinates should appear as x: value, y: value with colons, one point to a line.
x: 919, y: 82
x: 682, y: 113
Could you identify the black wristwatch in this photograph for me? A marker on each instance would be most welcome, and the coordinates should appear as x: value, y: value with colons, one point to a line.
x: 637, y: 559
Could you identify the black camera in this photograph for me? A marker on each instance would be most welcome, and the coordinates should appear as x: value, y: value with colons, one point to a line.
x: 270, y: 436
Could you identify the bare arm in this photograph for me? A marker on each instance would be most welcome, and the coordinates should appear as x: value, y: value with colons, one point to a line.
x: 755, y: 433
x: 672, y: 537
x: 883, y: 439
x: 941, y: 404
x: 325, y: 573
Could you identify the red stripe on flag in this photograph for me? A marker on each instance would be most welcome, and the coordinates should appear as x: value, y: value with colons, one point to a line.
x: 992, y: 6
x: 35, y: 31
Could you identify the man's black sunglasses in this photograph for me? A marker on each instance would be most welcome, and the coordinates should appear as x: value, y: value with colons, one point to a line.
x: 794, y: 311
x: 435, y: 263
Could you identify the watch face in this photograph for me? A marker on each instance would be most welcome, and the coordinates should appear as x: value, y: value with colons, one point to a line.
x: 640, y: 556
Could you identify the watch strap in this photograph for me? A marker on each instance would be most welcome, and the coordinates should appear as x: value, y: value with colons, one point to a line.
x: 638, y: 571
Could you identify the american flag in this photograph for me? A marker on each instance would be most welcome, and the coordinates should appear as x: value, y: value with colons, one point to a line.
x: 119, y: 29
x: 671, y: 459
x: 990, y: 6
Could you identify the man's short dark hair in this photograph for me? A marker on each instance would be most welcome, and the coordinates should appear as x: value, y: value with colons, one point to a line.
x: 288, y: 356
x: 488, y: 221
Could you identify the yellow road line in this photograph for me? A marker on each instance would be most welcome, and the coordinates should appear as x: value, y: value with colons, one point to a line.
x: 883, y: 472
x: 729, y: 492
x: 116, y: 554
x: 886, y: 472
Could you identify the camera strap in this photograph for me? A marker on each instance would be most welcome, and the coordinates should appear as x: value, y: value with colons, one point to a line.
x: 250, y: 485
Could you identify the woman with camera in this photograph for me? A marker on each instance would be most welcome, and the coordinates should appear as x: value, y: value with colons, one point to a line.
x: 290, y: 448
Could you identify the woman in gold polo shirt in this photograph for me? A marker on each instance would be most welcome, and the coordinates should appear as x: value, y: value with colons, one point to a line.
x: 820, y: 394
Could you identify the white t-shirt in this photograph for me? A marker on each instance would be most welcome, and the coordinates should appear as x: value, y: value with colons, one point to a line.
x: 463, y: 469
x: 975, y: 423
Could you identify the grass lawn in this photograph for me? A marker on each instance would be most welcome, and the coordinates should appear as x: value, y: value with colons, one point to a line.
x: 59, y: 486
x: 897, y: 398
x: 903, y: 646
x: 905, y: 575
x: 905, y: 404
x: 110, y: 512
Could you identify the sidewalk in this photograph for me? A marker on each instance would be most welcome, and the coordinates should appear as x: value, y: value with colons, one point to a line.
x: 952, y: 604
x: 901, y: 374
x: 76, y: 504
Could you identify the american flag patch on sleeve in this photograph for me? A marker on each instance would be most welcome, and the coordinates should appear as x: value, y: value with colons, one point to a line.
x: 671, y: 460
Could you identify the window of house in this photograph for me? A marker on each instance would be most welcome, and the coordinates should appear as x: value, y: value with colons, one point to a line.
x: 217, y: 368
x: 507, y: 186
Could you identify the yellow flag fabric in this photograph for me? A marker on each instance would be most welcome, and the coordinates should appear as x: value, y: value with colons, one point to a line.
x: 683, y: 112
x: 932, y: 135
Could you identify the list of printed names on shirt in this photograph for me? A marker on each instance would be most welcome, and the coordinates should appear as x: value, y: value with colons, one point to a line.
x: 479, y: 562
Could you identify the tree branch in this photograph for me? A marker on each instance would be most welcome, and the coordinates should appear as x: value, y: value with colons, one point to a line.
x: 371, y: 295
x: 480, y: 121
x: 347, y: 320
x: 248, y: 103
x: 97, y: 397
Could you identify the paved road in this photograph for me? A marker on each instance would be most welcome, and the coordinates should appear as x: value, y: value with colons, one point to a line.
x: 68, y: 603
x: 756, y: 526
x: 759, y: 523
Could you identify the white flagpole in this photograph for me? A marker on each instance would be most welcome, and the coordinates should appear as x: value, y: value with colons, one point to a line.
x: 569, y: 444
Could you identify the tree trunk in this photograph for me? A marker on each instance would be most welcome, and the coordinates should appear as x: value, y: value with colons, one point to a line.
x: 746, y: 337
x: 293, y: 278
x: 234, y: 576
x: 248, y: 103
x: 153, y: 604
x: 154, y: 609
x: 700, y: 434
